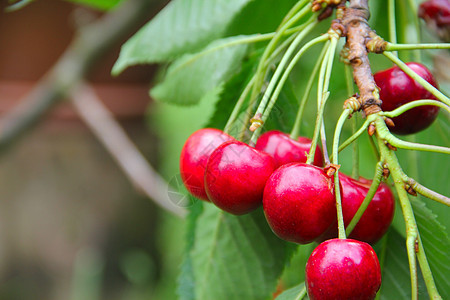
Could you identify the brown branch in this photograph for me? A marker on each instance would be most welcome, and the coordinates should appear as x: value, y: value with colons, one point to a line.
x: 129, y: 159
x: 91, y: 43
x: 358, y: 33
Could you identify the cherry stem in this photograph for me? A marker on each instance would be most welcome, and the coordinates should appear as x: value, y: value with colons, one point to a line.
x: 427, y: 192
x: 415, y: 20
x: 322, y: 91
x: 355, y: 135
x: 416, y: 77
x: 274, y: 54
x: 370, y: 193
x: 412, y: 233
x: 261, y: 70
x: 292, y: 12
x: 280, y: 68
x: 400, y: 110
x: 373, y: 145
x: 392, y: 24
x: 284, y: 77
x: 298, y: 119
x: 238, y: 106
x: 355, y: 149
x: 337, y: 133
x: 394, y: 141
x: 393, y: 46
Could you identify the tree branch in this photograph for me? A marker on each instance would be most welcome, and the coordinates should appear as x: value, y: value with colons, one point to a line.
x: 127, y: 156
x: 91, y: 42
x: 358, y: 33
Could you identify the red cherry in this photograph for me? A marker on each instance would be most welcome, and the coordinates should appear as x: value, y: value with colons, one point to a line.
x: 376, y: 219
x: 195, y: 154
x: 437, y: 10
x: 286, y: 150
x: 343, y: 269
x: 397, y: 88
x: 299, y: 202
x: 436, y: 14
x: 235, y: 177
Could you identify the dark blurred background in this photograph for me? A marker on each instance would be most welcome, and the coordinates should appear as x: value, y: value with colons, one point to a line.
x: 71, y: 224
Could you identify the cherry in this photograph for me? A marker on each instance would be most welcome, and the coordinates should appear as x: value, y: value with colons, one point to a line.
x: 436, y: 13
x: 195, y: 154
x: 299, y: 202
x: 285, y: 150
x: 343, y: 269
x: 235, y: 177
x: 377, y: 217
x: 397, y: 88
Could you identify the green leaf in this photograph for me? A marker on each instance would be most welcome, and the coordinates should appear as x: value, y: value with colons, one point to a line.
x: 292, y: 293
x: 189, y: 78
x: 236, y: 257
x: 186, y: 284
x: 183, y: 26
x: 436, y: 242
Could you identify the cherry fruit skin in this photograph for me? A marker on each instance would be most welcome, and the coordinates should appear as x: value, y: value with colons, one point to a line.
x: 397, y: 88
x: 436, y: 10
x: 436, y: 14
x: 378, y: 215
x: 235, y: 177
x: 343, y: 269
x: 286, y: 150
x: 299, y: 202
x: 194, y: 156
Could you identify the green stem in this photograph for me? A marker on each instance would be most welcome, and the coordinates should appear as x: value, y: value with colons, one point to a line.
x: 281, y: 67
x: 355, y: 149
x: 394, y: 141
x: 370, y: 193
x: 427, y: 192
x: 408, y: 215
x: 283, y: 79
x: 251, y: 104
x: 398, y: 111
x: 293, y: 11
x: 296, y: 129
x: 412, y: 233
x: 374, y: 147
x: 416, y: 77
x: 392, y: 24
x: 261, y: 70
x: 322, y: 92
x: 354, y: 136
x: 238, y: 106
x: 415, y: 20
x: 337, y: 133
x: 393, y: 46
x: 427, y: 275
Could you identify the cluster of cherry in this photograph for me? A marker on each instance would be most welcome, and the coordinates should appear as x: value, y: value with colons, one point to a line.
x: 298, y: 199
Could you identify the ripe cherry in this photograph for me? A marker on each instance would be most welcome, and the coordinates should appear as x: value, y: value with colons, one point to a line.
x: 378, y: 216
x: 299, y: 202
x: 286, y: 150
x: 195, y: 154
x: 436, y: 13
x: 235, y: 177
x: 397, y: 88
x: 343, y: 269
